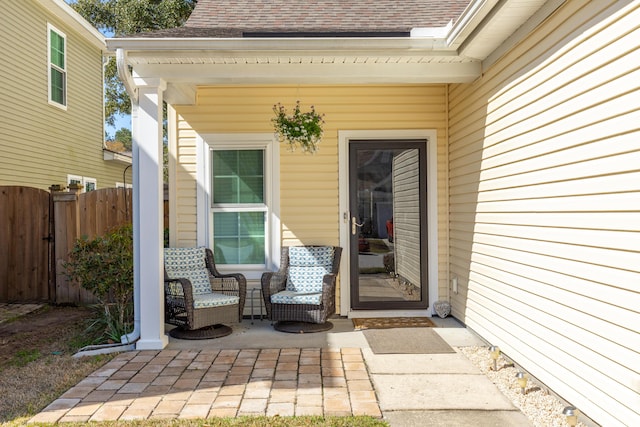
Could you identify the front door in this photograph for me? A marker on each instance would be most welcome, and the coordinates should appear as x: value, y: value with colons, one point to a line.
x: 388, y: 232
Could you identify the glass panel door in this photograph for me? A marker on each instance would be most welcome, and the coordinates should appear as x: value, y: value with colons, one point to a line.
x: 388, y: 244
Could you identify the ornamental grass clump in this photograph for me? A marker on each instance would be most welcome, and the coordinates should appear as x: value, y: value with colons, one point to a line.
x: 303, y: 129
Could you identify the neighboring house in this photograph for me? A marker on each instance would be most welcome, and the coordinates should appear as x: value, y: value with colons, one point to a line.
x: 519, y: 119
x: 51, y: 109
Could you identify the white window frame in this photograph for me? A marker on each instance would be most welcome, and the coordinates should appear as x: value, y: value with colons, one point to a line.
x: 51, y: 64
x: 77, y: 178
x: 264, y: 141
x: 83, y: 180
x: 123, y: 185
x: 86, y: 181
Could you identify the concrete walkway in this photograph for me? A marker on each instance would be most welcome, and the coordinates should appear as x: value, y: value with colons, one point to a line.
x: 259, y: 371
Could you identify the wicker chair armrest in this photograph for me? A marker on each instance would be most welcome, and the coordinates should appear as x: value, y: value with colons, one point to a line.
x: 273, y: 282
x: 187, y: 289
x: 228, y: 282
x: 172, y: 299
x: 329, y: 286
x: 241, y: 283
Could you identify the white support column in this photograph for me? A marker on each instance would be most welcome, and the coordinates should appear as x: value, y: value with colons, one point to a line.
x: 148, y: 212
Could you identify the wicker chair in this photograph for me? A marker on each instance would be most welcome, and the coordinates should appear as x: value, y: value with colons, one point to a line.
x: 300, y: 296
x: 198, y: 299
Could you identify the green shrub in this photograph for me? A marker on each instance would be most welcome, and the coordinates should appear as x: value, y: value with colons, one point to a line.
x: 104, y: 266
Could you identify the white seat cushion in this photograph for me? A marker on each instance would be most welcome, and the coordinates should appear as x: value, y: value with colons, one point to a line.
x: 290, y: 297
x: 214, y: 299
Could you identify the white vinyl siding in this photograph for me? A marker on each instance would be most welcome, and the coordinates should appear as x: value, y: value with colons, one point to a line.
x: 544, y: 162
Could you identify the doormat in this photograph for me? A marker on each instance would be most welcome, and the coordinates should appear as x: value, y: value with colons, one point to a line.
x: 392, y: 322
x: 406, y: 341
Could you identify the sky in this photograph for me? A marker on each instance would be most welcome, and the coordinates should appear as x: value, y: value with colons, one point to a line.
x: 121, y: 122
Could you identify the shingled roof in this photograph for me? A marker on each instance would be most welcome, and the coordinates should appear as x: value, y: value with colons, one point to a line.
x: 314, y: 18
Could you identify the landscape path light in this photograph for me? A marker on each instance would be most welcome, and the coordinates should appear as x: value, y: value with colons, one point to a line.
x: 522, y: 381
x: 495, y: 353
x: 572, y: 415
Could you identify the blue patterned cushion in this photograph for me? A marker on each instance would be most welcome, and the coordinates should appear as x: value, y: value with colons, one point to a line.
x: 188, y: 263
x: 311, y: 256
x: 289, y: 297
x: 307, y: 267
x: 214, y: 299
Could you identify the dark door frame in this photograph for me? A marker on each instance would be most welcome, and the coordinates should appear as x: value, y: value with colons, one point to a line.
x: 388, y: 144
x: 345, y: 137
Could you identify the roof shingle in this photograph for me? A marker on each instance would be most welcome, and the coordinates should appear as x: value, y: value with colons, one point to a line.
x: 313, y: 18
x: 325, y: 15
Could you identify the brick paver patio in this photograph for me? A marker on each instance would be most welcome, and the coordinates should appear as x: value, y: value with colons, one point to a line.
x: 220, y: 383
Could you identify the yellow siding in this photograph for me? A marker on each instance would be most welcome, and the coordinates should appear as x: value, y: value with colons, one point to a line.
x: 39, y: 143
x: 309, y: 186
x: 545, y: 206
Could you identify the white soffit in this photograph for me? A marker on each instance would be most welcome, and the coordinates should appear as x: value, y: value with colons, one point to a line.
x: 296, y: 60
x: 503, y: 20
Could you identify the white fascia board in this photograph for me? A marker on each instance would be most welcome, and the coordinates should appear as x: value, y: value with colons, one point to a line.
x: 312, y: 73
x: 270, y: 45
x: 74, y: 20
x: 109, y: 155
x: 432, y: 32
x: 471, y: 17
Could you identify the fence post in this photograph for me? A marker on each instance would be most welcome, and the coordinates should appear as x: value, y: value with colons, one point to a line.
x: 67, y: 230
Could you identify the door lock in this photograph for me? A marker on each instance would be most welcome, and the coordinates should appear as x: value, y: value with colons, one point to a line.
x: 355, y: 224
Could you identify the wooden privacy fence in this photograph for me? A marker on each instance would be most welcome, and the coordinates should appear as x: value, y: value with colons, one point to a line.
x: 38, y: 229
x: 88, y: 214
x: 25, y: 243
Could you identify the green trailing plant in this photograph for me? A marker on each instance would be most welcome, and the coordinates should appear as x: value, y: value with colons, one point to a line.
x: 104, y: 267
x: 300, y: 128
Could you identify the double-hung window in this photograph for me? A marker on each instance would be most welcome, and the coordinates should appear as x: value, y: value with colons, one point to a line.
x: 238, y: 185
x: 57, y: 67
x: 240, y: 212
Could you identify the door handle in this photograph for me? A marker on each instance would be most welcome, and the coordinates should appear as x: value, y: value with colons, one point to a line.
x: 355, y: 224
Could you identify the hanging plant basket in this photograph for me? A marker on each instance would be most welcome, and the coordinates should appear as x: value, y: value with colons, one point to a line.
x: 298, y: 129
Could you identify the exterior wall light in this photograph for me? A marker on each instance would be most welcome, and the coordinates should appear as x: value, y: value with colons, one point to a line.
x: 495, y: 353
x: 522, y: 381
x: 572, y: 415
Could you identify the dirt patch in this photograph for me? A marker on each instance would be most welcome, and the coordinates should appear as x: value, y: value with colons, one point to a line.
x: 36, y: 362
x: 44, y: 330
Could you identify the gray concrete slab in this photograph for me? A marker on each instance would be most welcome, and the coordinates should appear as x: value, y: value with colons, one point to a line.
x: 459, y: 337
x: 447, y: 363
x: 458, y: 418
x: 438, y: 391
x: 261, y: 334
